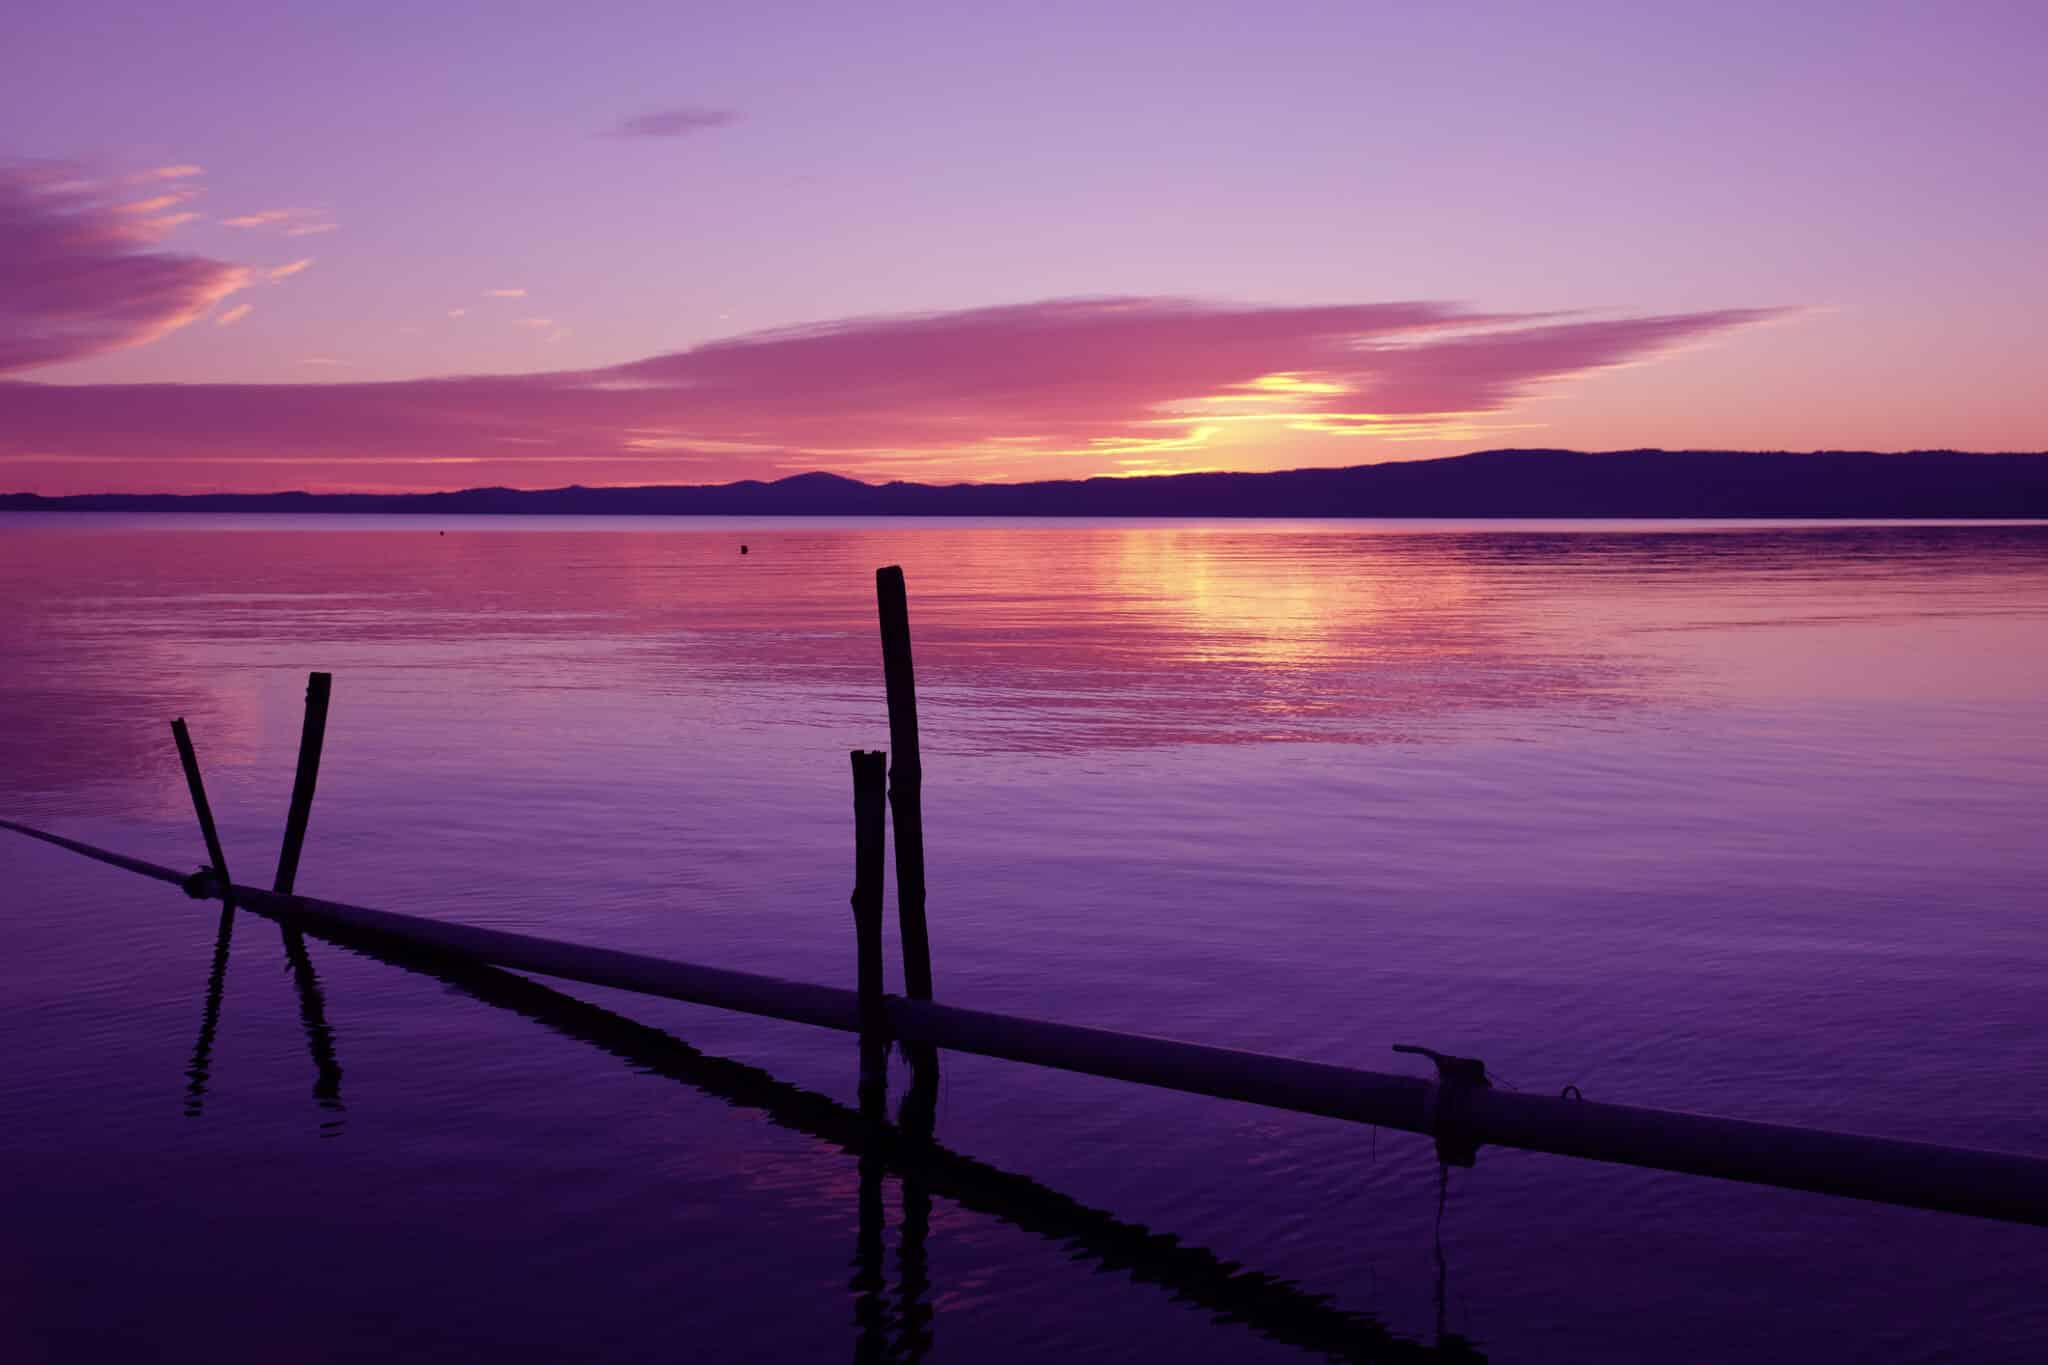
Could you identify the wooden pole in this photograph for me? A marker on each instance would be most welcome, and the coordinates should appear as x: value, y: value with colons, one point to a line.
x: 197, y: 785
x: 906, y: 781
x: 311, y: 737
x: 869, y: 868
x: 305, y: 981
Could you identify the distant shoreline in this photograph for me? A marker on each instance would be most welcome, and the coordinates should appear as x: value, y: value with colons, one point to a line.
x: 1819, y: 485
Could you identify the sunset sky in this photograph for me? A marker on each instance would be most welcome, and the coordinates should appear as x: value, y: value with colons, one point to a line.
x: 251, y: 246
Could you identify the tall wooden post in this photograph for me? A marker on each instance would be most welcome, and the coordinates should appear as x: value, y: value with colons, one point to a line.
x: 906, y: 798
x: 870, y: 834
x: 312, y: 1003
x: 311, y: 737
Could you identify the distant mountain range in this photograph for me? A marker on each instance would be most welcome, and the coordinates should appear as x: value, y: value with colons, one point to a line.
x: 1492, y: 483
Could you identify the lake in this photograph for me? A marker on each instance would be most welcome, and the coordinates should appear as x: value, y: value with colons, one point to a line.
x: 1740, y: 818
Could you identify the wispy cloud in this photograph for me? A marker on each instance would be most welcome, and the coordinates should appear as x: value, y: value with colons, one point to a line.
x: 457, y: 312
x: 156, y: 203
x: 293, y: 222
x: 78, y: 275
x: 1062, y: 387
x: 504, y: 293
x: 234, y: 315
x: 534, y: 322
x: 181, y: 171
x: 285, y: 272
x: 680, y: 121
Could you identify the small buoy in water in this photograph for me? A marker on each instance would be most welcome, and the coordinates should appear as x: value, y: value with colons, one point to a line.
x: 444, y: 533
x: 743, y: 549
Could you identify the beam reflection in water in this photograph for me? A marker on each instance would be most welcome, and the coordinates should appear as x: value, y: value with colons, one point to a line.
x: 1276, y: 1309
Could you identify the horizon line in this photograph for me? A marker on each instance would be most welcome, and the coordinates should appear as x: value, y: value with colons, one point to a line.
x: 1161, y: 476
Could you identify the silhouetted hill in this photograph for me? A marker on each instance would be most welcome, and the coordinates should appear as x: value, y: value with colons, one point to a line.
x: 1493, y: 483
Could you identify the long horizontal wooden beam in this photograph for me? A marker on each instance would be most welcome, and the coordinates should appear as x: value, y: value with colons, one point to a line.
x: 1461, y: 1112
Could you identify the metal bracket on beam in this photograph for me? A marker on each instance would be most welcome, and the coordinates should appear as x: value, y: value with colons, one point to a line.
x: 1444, y: 1112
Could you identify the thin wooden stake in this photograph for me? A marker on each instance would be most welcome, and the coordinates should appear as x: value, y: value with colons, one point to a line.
x: 870, y: 834
x: 906, y: 781
x: 190, y: 760
x: 311, y: 738
x: 312, y: 1003
x: 216, y: 980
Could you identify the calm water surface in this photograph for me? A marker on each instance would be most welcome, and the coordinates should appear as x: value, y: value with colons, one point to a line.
x: 1739, y: 818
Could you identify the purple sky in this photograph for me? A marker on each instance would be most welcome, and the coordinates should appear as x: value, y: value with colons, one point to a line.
x: 1307, y: 235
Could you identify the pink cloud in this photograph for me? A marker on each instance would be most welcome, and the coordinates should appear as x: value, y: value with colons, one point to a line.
x: 1076, y: 386
x: 78, y: 277
x: 294, y: 222
x: 678, y: 122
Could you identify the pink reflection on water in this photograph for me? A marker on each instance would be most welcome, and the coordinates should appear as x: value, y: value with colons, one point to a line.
x: 1030, y: 638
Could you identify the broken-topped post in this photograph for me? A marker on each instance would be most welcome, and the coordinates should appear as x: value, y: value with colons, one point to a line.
x: 870, y: 826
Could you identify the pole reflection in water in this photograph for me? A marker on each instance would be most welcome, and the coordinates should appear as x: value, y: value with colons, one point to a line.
x: 915, y: 1119
x: 313, y: 1019
x: 1276, y: 1309
x: 312, y: 1005
x: 209, y: 1018
x: 870, y: 1303
x: 910, y: 1314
